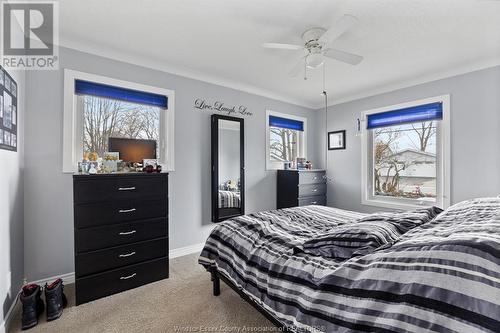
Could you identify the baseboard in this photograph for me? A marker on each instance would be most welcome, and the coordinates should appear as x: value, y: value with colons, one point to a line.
x: 69, y: 278
x: 183, y: 251
x: 8, y: 317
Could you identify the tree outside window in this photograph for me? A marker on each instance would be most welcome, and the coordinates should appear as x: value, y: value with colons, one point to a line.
x: 284, y: 144
x: 104, y: 118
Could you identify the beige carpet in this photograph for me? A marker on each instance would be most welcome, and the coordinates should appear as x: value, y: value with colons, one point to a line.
x: 182, y: 303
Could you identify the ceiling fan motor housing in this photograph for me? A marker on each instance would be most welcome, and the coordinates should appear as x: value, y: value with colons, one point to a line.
x: 312, y: 35
x: 314, y: 56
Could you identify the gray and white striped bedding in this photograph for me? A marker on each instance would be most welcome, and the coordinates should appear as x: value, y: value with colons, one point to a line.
x: 367, y: 234
x: 229, y: 199
x: 443, y: 276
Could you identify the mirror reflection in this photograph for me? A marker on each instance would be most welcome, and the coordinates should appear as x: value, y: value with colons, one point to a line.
x: 229, y: 167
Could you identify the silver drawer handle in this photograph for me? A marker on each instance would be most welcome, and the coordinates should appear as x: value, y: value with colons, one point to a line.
x: 124, y: 233
x: 315, y: 178
x: 315, y: 190
x: 128, y: 277
x: 126, y: 188
x: 313, y: 202
x: 127, y: 210
x: 126, y: 255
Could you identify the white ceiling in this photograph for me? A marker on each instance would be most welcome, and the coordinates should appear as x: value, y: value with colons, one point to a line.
x: 404, y: 42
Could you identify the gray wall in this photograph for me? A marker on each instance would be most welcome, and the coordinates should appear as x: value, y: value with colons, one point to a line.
x: 475, y: 137
x: 11, y: 209
x: 48, y: 192
x: 229, y: 155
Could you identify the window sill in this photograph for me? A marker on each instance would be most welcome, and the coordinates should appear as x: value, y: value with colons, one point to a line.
x: 396, y: 205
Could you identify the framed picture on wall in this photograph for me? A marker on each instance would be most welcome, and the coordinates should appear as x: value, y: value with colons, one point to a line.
x: 336, y: 140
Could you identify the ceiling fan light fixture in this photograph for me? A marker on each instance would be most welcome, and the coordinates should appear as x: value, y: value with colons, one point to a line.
x: 314, y: 60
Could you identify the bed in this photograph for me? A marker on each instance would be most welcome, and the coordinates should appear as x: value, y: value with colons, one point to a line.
x: 443, y: 276
x: 229, y: 199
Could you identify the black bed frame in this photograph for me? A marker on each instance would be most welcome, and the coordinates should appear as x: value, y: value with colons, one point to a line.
x: 216, y: 277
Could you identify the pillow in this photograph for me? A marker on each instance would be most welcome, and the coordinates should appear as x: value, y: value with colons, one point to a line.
x: 379, y: 230
x: 405, y: 221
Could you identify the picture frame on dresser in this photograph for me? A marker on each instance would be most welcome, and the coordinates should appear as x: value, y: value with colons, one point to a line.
x: 121, y: 232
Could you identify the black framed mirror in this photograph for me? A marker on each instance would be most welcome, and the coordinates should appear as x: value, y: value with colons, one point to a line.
x: 228, y: 167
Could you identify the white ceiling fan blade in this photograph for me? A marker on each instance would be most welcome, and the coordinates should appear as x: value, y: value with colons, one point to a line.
x: 343, y: 56
x: 282, y: 46
x: 297, y: 68
x: 345, y: 23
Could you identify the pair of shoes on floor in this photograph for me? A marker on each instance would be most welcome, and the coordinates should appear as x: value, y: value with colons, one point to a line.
x: 33, y: 305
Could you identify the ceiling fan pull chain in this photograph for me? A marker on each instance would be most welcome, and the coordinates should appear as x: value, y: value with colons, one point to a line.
x: 324, y: 74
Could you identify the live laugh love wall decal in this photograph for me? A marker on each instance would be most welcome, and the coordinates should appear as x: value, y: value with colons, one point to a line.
x: 221, y: 107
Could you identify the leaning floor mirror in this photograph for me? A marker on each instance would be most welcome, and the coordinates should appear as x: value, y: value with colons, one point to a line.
x: 228, y: 171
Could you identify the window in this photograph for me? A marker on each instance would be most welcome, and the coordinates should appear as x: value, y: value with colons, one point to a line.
x: 99, y: 108
x: 405, y: 154
x: 107, y: 118
x: 285, y: 139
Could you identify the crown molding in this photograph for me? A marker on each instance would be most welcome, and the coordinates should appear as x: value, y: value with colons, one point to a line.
x: 144, y: 61
x: 469, y: 68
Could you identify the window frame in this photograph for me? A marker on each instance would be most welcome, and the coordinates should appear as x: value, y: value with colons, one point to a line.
x: 443, y: 166
x: 73, y: 119
x: 270, y: 165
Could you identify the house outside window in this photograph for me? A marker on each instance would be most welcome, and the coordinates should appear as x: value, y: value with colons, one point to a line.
x: 406, y: 155
x: 286, y: 137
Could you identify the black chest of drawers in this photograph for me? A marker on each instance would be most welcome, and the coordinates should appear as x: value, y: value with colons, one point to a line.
x: 301, y: 188
x: 121, y: 232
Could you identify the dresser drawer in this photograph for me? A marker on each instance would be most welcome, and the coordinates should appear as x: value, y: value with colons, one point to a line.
x: 96, y: 189
x: 310, y: 190
x: 115, y: 281
x: 111, y: 212
x: 316, y: 200
x: 115, y: 257
x: 96, y: 238
x: 311, y: 177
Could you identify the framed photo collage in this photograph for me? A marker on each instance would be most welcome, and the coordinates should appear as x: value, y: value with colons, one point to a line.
x: 8, y: 111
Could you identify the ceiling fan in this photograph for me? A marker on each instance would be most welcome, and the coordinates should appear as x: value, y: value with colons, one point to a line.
x: 317, y: 46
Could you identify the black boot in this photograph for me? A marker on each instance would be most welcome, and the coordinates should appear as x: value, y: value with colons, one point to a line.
x: 55, y: 299
x: 32, y: 305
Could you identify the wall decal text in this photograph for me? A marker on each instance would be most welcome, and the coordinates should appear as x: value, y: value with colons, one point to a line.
x: 221, y: 107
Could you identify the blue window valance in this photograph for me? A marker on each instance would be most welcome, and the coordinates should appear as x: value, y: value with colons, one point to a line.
x: 286, y: 123
x: 128, y: 95
x: 426, y: 112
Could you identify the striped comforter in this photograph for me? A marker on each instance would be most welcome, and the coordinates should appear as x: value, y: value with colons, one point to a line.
x: 229, y: 199
x: 443, y: 276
